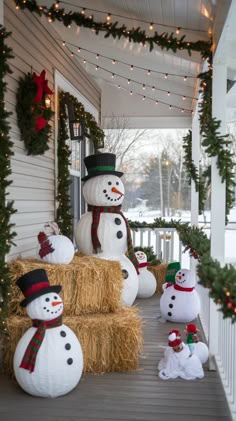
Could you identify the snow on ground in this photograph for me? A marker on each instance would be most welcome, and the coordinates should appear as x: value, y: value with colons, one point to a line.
x: 137, y: 214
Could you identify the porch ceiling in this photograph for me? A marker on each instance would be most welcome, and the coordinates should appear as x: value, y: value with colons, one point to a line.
x: 201, y: 16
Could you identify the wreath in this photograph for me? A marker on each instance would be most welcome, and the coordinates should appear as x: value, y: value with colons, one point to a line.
x: 33, y: 115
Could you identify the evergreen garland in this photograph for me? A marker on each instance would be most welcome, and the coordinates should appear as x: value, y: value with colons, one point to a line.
x: 64, y: 218
x: 137, y: 35
x: 192, y: 171
x: 219, y: 280
x: 36, y: 141
x: 6, y: 207
x: 92, y: 131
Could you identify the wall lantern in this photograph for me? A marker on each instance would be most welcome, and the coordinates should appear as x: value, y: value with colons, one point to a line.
x: 75, y: 126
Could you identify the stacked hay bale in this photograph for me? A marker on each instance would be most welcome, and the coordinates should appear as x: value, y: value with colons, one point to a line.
x: 110, y: 335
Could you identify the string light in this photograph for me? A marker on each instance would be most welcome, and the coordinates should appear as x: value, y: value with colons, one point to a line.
x: 113, y: 75
x: 84, y: 61
x: 83, y: 11
x: 131, y: 66
x: 131, y: 92
x: 151, y: 26
x: 149, y: 72
x: 79, y: 50
x: 128, y: 81
x: 108, y: 17
x: 144, y: 87
x: 144, y: 98
x: 153, y: 88
x: 177, y: 31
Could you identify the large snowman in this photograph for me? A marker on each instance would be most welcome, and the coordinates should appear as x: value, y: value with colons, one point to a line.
x: 147, y: 282
x: 103, y: 231
x: 180, y: 302
x: 48, y: 359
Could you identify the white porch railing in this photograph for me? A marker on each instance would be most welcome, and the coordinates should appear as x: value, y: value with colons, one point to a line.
x: 165, y: 242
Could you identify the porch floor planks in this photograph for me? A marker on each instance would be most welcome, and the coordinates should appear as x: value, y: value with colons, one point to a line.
x: 140, y: 395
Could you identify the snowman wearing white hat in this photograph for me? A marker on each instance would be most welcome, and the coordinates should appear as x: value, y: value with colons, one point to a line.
x: 48, y: 359
x: 104, y: 231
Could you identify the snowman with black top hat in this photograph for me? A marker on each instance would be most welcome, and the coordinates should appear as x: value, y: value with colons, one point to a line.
x: 48, y: 359
x: 104, y: 231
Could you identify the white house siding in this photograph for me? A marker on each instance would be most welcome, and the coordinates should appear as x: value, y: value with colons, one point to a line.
x: 35, y: 47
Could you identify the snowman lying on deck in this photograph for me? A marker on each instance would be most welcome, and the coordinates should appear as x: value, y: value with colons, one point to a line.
x: 178, y: 361
x: 104, y: 231
x: 48, y: 360
x: 180, y: 302
x: 196, y: 347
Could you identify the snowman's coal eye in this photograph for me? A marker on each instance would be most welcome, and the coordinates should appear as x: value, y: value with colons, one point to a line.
x: 117, y: 183
x: 110, y: 183
x: 47, y: 299
x: 55, y: 298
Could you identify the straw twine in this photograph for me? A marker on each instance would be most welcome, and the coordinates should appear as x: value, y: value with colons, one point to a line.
x: 110, y: 342
x: 89, y: 285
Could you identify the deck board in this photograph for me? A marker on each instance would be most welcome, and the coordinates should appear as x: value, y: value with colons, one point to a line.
x: 140, y: 395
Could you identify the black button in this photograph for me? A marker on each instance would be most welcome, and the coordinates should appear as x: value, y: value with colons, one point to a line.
x: 70, y: 361
x: 169, y: 314
x: 173, y: 297
x: 125, y: 273
x: 117, y: 221
x: 68, y: 346
x: 119, y: 234
x: 63, y: 333
x: 170, y: 305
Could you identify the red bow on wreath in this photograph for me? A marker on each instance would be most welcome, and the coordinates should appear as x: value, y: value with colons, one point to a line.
x: 42, y: 88
x: 42, y: 85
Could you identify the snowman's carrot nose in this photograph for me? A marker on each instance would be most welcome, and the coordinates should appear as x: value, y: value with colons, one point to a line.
x: 179, y: 276
x: 115, y: 190
x: 56, y: 303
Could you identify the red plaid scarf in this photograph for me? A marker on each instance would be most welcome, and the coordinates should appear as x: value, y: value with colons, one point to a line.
x: 97, y: 210
x: 29, y: 358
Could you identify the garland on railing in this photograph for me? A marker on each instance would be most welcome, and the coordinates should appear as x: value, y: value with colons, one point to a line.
x: 6, y: 207
x: 219, y: 280
x: 163, y: 40
x: 33, y: 115
x: 92, y: 131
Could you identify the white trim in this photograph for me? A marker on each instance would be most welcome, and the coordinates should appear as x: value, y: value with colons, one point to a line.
x: 63, y: 83
x: 75, y: 173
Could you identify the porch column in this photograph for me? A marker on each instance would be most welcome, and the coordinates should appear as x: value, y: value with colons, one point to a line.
x: 217, y: 190
x: 196, y: 159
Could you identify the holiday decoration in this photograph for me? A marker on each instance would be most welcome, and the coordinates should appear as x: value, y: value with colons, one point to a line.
x: 54, y: 247
x: 6, y: 208
x: 219, y: 280
x: 151, y: 257
x: 147, y: 282
x: 33, y: 115
x: 92, y: 131
x: 196, y: 347
x: 178, y: 361
x: 104, y: 231
x: 180, y: 302
x: 89, y: 285
x: 171, y: 271
x: 48, y: 360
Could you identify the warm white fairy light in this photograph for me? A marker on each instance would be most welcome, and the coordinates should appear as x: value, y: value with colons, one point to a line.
x: 118, y: 86
x: 64, y: 43
x: 131, y: 67
x: 144, y: 87
x: 156, y: 102
x: 108, y: 18
x: 184, y: 97
x: 166, y: 75
x: 149, y: 72
x: 84, y: 61
x: 153, y: 88
x: 151, y: 26
x: 113, y: 75
x: 96, y: 67
x: 128, y: 81
x: 144, y: 98
x: 79, y: 50
x: 97, y: 56
x: 113, y: 61
x: 83, y: 11
x: 131, y: 92
x: 72, y: 54
x: 185, y: 78
x: 170, y: 106
x: 177, y: 31
x: 168, y: 93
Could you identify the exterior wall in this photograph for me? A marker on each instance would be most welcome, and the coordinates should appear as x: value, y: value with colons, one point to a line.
x: 35, y: 47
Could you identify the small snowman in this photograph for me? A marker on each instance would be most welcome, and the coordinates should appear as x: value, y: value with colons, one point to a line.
x: 180, y: 302
x: 48, y: 359
x: 104, y: 231
x: 147, y: 281
x: 54, y: 247
x: 178, y: 361
x: 196, y: 347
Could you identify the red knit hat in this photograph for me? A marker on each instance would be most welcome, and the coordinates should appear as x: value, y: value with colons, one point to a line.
x: 174, y: 338
x: 191, y: 328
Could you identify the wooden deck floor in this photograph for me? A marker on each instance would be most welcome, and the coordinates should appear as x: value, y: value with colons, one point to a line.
x: 139, y: 395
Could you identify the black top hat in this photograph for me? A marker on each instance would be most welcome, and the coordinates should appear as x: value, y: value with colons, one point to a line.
x: 100, y: 164
x: 34, y: 284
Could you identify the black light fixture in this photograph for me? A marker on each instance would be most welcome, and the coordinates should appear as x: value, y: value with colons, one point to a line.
x: 75, y: 126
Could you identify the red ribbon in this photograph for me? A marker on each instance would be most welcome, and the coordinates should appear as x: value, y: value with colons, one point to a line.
x: 143, y: 265
x: 42, y: 86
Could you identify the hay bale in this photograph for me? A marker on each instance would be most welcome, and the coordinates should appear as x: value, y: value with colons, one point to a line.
x: 159, y: 271
x: 89, y: 285
x: 110, y: 342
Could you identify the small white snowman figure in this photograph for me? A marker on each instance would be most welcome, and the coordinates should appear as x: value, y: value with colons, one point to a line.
x: 180, y: 302
x: 196, y: 347
x: 178, y: 361
x: 147, y: 281
x: 48, y: 359
x: 104, y: 231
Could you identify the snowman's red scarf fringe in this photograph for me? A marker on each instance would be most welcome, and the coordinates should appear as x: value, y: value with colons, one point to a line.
x: 29, y: 358
x: 97, y: 210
